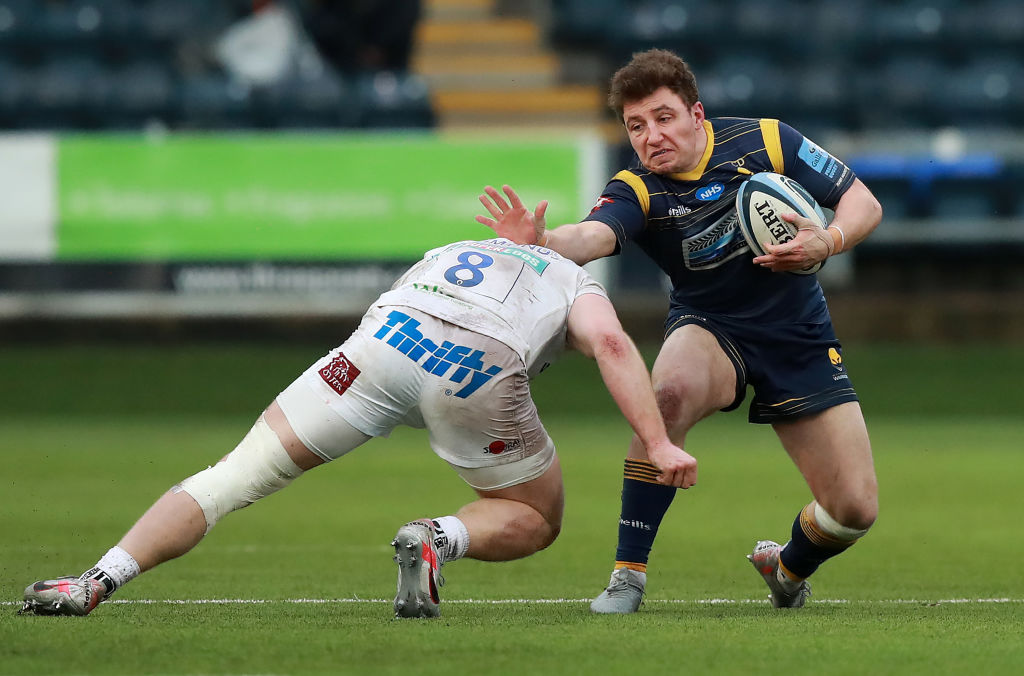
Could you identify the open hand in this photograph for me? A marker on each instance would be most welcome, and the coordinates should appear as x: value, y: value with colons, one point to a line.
x: 511, y: 219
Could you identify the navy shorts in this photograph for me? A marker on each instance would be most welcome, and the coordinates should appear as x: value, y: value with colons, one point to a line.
x: 794, y: 368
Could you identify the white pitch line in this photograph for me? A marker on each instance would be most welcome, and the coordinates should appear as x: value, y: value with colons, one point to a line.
x: 189, y: 602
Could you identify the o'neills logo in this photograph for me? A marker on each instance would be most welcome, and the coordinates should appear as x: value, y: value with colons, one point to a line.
x: 339, y: 374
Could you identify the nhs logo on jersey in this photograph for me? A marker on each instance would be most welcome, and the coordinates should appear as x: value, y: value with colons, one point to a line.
x: 711, y: 192
x: 402, y: 332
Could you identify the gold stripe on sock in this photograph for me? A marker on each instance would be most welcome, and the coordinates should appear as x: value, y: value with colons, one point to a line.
x: 638, y: 567
x: 641, y: 470
x: 816, y: 535
x: 788, y: 573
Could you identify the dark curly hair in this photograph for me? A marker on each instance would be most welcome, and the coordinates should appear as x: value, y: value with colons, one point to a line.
x: 648, y: 72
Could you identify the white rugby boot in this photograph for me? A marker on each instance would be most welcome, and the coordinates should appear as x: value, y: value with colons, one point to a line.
x: 63, y: 596
x: 419, y: 571
x: 623, y: 595
x: 765, y: 559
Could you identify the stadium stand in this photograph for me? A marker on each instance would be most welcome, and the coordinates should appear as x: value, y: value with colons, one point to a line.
x: 131, y: 64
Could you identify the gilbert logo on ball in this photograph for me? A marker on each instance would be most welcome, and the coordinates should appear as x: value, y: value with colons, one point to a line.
x: 760, y: 203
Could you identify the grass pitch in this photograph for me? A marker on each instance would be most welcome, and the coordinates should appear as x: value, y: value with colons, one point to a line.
x: 301, y: 582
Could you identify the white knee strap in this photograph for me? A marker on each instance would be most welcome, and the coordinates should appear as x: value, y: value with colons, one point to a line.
x: 834, y: 528
x: 257, y: 467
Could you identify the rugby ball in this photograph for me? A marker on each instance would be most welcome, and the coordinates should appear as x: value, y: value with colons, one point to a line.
x: 760, y: 203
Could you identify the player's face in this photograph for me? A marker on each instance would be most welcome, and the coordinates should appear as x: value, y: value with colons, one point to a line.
x: 667, y: 135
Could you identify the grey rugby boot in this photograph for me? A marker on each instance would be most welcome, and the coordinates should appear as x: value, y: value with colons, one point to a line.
x: 765, y: 559
x: 62, y: 596
x: 623, y: 595
x: 419, y: 571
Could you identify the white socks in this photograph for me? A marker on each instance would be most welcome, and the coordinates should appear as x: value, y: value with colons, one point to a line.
x: 114, y: 569
x: 452, y: 539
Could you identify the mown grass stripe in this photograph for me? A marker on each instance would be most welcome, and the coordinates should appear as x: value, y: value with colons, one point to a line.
x: 541, y: 601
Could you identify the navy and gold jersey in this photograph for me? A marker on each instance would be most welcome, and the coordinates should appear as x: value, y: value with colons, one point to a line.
x: 686, y: 222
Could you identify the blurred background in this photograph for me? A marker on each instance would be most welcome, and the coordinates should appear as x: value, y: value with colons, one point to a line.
x: 182, y: 169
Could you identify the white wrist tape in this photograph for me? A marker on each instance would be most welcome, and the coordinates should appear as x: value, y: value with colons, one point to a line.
x: 257, y: 467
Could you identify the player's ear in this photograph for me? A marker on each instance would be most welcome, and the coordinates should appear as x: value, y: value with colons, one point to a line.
x: 698, y: 113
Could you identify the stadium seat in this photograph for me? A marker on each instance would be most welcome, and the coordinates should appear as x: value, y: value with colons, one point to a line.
x: 394, y: 99
x: 900, y: 93
x: 67, y: 93
x: 896, y: 194
x: 746, y: 85
x: 141, y: 93
x: 14, y: 86
x: 689, y: 27
x: 215, y: 101
x: 585, y: 24
x: 988, y: 24
x: 986, y: 92
x: 316, y: 100
x: 18, y: 25
x: 965, y: 198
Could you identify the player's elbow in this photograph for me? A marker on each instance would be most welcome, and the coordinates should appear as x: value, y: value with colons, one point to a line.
x: 612, y: 346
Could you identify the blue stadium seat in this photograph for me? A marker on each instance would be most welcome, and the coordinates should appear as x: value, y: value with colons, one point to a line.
x: 315, y: 100
x: 988, y: 24
x: 965, y: 198
x: 986, y: 92
x: 215, y: 101
x: 18, y: 25
x: 141, y: 93
x: 67, y: 93
x: 394, y: 99
x: 14, y: 89
x: 585, y: 24
x: 900, y: 93
x: 692, y: 28
x: 746, y: 85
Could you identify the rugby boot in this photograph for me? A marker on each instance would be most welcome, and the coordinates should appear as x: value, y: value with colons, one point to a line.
x: 623, y: 595
x: 765, y: 559
x: 419, y: 571
x: 63, y: 596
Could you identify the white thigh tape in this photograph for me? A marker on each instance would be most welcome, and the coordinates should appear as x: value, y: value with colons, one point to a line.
x: 257, y: 467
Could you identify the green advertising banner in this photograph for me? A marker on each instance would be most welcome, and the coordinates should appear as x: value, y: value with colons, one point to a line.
x: 301, y: 197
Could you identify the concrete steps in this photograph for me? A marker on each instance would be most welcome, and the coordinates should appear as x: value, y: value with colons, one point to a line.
x: 488, y: 71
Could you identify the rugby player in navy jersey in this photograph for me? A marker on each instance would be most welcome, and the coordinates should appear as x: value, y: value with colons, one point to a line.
x: 734, y: 319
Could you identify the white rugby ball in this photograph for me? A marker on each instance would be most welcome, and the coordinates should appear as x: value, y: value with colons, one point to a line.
x: 760, y: 203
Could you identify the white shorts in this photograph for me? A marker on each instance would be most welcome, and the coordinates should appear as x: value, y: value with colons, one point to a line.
x: 404, y: 367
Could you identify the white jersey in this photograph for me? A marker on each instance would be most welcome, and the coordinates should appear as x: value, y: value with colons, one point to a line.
x: 518, y: 294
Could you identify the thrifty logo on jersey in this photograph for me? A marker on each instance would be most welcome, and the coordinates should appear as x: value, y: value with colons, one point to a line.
x: 537, y: 264
x: 601, y: 201
x: 818, y: 159
x: 402, y: 332
x: 339, y: 373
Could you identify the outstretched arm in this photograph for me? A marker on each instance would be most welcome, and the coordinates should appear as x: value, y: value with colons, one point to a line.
x: 594, y: 330
x: 579, y: 242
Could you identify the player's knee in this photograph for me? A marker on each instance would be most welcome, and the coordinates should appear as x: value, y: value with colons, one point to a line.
x: 257, y: 467
x: 670, y: 397
x: 848, y: 520
x: 549, y: 533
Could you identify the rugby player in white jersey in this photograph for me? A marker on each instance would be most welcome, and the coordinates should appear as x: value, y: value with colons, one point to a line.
x: 451, y: 347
